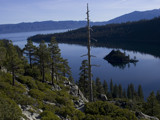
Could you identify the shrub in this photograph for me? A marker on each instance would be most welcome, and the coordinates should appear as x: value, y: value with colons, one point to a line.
x: 9, y: 110
x: 48, y: 115
x: 29, y: 81
x: 35, y: 93
x: 108, y: 109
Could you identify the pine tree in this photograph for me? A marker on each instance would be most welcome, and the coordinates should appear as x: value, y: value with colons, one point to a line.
x: 115, y: 91
x: 120, y: 91
x: 99, y: 87
x: 124, y: 94
x: 29, y: 50
x: 42, y: 58
x: 105, y: 87
x: 13, y: 62
x: 83, y: 81
x: 158, y: 96
x: 152, y: 107
x: 66, y: 70
x: 2, y: 55
x: 111, y: 87
x: 129, y: 92
x: 140, y: 92
x: 55, y: 57
x: 132, y: 91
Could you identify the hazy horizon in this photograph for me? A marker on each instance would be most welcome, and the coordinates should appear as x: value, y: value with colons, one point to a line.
x: 19, y: 11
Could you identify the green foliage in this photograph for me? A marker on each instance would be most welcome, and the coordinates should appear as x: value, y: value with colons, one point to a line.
x: 13, y: 62
x: 105, y: 87
x: 108, y: 109
x: 83, y: 82
x: 97, y: 117
x: 99, y: 87
x: 29, y: 50
x: 152, y: 107
x: 35, y: 93
x: 70, y: 112
x: 9, y: 110
x: 48, y: 115
x: 42, y: 56
x: 29, y: 81
x: 63, y: 98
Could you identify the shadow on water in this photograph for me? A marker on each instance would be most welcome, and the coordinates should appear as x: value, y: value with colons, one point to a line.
x: 121, y: 65
x: 144, y: 48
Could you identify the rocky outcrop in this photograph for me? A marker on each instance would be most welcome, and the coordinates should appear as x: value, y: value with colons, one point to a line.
x: 56, y: 87
x: 103, y: 97
x: 141, y: 115
x: 30, y: 113
x: 75, y: 91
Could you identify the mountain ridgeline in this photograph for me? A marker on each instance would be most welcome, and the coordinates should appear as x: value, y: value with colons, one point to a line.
x: 45, y: 25
x: 57, y: 25
x: 136, y: 16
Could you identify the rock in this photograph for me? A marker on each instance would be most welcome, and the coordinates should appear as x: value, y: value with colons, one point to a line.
x: 74, y: 91
x: 141, y: 115
x: 103, y: 97
x: 55, y: 87
x: 46, y: 102
x: 27, y: 111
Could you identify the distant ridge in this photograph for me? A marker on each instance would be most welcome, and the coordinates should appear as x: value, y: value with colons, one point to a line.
x: 57, y: 25
x: 136, y: 16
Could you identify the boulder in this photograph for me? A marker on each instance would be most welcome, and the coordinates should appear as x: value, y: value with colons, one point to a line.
x: 103, y: 97
x: 141, y: 115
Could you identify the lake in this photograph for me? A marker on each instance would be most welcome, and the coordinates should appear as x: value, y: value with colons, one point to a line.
x: 145, y: 72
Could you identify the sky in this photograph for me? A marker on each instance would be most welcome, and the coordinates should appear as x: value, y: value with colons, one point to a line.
x: 16, y: 11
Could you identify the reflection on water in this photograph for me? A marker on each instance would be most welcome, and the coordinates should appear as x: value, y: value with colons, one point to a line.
x: 121, y: 65
x: 144, y: 72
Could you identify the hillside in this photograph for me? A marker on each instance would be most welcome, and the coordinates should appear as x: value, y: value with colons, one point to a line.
x: 45, y: 25
x: 136, y: 36
x: 37, y: 91
x: 136, y: 16
x: 56, y: 25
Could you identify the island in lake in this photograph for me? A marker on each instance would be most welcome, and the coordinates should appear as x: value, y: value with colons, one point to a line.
x: 117, y: 58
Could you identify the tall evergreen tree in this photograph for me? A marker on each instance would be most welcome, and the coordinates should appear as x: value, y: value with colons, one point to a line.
x: 124, y: 94
x: 13, y: 62
x: 152, y: 107
x: 132, y: 91
x: 2, y: 55
x: 55, y: 57
x: 42, y: 58
x: 120, y: 91
x: 99, y: 87
x: 158, y: 96
x: 111, y: 87
x: 105, y: 87
x: 140, y: 92
x: 115, y: 91
x: 66, y: 70
x: 83, y: 81
x: 29, y: 50
x: 129, y: 92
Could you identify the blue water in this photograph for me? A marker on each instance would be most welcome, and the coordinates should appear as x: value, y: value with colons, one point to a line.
x: 146, y: 72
